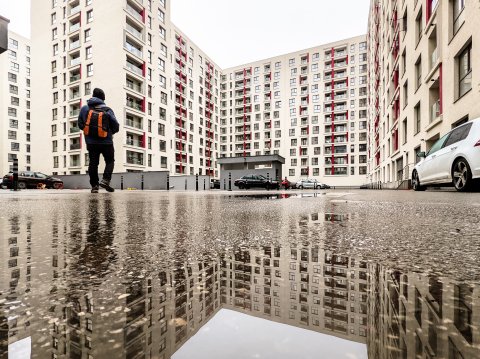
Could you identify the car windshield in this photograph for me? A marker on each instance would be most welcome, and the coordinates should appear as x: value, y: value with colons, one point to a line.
x: 41, y: 175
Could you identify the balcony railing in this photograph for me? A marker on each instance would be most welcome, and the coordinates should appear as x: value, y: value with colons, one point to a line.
x: 134, y: 13
x: 75, y: 146
x: 135, y: 161
x: 75, y: 10
x: 134, y: 32
x: 134, y: 124
x: 75, y: 62
x: 74, y: 95
x: 74, y: 130
x: 133, y: 50
x: 74, y: 45
x: 134, y: 69
x: 74, y: 78
x: 74, y: 113
x: 134, y: 105
x: 133, y: 142
x: 135, y: 87
x: 75, y: 27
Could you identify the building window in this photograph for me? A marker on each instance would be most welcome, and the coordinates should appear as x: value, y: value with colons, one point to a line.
x: 88, y: 88
x: 89, y: 16
x: 89, y: 70
x: 458, y: 15
x: 464, y: 61
x: 418, y: 72
x: 12, y: 44
x: 418, y: 118
x: 88, y: 34
x: 419, y: 26
x: 88, y: 52
x: 14, y: 66
x: 12, y: 77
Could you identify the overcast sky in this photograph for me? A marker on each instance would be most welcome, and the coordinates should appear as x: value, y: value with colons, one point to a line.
x: 234, y: 32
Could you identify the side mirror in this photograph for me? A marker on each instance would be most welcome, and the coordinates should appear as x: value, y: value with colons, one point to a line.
x: 421, y: 154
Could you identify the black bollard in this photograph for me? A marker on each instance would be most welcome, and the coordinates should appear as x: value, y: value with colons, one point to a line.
x: 121, y: 183
x: 142, y: 182
x: 168, y: 182
x: 196, y: 182
x: 15, y: 174
x: 204, y: 185
x: 224, y: 184
x: 185, y: 184
x: 229, y: 181
x: 268, y: 180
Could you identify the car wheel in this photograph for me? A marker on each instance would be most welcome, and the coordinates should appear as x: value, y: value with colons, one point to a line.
x: 300, y: 187
x: 462, y: 175
x: 416, y: 182
x: 22, y: 185
x: 58, y: 185
x: 241, y: 186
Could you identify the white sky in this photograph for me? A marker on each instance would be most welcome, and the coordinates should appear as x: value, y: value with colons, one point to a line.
x: 245, y: 30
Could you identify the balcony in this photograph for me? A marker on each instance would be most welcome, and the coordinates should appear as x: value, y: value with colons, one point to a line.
x: 132, y: 11
x: 75, y: 112
x: 75, y: 61
x: 134, y: 68
x: 434, y: 58
x: 74, y: 129
x: 135, y: 104
x: 74, y: 45
x: 135, y: 142
x: 133, y: 50
x: 74, y: 27
x: 75, y: 146
x: 135, y: 32
x: 74, y: 95
x: 74, y: 10
x: 75, y: 77
x: 134, y: 85
x: 134, y: 158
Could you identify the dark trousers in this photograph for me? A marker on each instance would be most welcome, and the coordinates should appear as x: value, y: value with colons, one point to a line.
x: 94, y: 152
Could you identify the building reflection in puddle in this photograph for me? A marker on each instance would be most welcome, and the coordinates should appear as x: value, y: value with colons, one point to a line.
x: 88, y: 295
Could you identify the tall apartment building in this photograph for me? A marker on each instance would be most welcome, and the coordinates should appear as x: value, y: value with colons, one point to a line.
x: 422, y: 79
x: 309, y: 107
x: 161, y: 86
x: 15, y: 126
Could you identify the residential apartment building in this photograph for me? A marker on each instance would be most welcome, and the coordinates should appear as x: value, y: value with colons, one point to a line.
x: 15, y: 125
x: 309, y: 107
x: 162, y: 88
x: 423, y: 80
x: 421, y: 316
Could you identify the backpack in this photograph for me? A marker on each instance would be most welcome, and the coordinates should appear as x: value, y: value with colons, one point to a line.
x: 98, y: 123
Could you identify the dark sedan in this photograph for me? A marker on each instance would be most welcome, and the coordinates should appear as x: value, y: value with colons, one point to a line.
x: 28, y: 179
x: 259, y: 181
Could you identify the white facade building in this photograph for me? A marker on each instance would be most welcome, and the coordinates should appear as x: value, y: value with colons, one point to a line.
x: 15, y: 127
x: 309, y: 107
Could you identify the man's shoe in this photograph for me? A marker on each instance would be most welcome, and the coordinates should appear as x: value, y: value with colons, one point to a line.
x: 94, y: 189
x: 106, y: 184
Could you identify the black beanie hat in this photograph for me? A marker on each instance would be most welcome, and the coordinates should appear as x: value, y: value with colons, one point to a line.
x: 98, y: 93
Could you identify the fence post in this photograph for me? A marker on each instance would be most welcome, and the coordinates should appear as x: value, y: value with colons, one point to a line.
x: 204, y: 187
x: 196, y: 182
x: 229, y: 181
x: 224, y: 184
x: 168, y: 181
x: 121, y: 183
x: 142, y: 182
x: 185, y: 184
x: 15, y: 174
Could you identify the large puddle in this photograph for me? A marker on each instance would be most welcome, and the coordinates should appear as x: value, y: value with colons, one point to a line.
x: 159, y: 275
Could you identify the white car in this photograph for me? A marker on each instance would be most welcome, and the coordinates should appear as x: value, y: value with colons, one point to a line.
x: 309, y: 183
x: 453, y: 159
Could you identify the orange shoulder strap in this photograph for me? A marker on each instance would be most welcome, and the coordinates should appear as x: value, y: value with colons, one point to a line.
x: 86, y: 129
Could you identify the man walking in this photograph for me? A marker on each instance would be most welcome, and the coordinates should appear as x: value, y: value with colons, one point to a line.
x: 99, y: 124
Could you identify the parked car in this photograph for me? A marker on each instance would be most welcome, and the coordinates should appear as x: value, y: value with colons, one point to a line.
x: 214, y: 184
x: 286, y: 184
x: 453, y: 160
x: 250, y: 181
x: 310, y: 183
x: 28, y: 179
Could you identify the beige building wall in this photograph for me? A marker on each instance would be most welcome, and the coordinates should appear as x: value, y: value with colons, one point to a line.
x: 415, y: 92
x: 15, y: 126
x: 290, y: 105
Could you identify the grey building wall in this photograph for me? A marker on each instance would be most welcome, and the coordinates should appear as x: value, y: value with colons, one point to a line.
x: 3, y: 34
x: 182, y: 183
x: 151, y: 180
